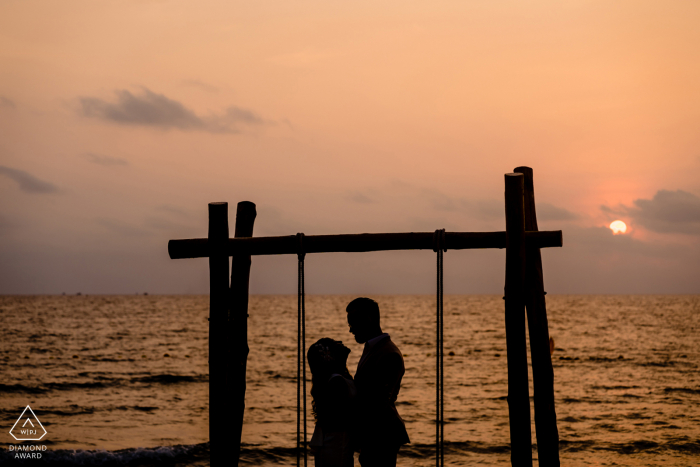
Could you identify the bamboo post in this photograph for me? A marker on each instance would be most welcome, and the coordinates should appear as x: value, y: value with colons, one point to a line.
x: 238, y: 328
x: 542, y: 372
x: 218, y: 317
x: 518, y: 392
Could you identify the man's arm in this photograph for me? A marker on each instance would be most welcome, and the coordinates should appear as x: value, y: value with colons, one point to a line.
x: 385, y: 386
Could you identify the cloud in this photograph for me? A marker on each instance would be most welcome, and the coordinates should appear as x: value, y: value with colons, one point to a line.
x: 5, y: 102
x: 104, y: 160
x: 482, y: 209
x: 172, y: 210
x: 485, y: 210
x: 593, y: 260
x: 549, y: 212
x: 5, y: 224
x: 156, y: 110
x: 122, y: 228
x: 201, y: 85
x: 28, y: 182
x: 667, y: 212
x: 360, y: 198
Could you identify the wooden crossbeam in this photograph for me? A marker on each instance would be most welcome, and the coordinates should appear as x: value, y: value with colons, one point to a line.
x: 286, y: 245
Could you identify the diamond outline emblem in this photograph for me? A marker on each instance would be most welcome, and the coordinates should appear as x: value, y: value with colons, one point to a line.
x: 20, y: 419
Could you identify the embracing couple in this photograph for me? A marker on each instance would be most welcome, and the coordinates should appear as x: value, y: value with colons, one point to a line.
x: 357, y: 414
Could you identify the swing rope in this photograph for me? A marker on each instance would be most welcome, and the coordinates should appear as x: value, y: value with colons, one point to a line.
x: 439, y: 246
x: 301, y: 353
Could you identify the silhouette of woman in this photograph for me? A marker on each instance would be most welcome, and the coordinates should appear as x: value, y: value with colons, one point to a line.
x: 333, y: 392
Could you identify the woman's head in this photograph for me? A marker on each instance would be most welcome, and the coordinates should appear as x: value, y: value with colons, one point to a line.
x: 328, y: 356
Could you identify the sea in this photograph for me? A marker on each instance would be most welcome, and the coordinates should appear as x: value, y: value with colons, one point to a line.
x: 123, y: 380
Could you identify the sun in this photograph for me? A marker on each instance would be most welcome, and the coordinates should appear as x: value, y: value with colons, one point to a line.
x: 618, y: 227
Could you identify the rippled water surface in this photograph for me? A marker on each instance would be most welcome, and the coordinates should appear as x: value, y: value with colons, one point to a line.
x: 123, y: 379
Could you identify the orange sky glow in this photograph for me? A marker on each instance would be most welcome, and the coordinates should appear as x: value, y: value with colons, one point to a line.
x: 121, y: 120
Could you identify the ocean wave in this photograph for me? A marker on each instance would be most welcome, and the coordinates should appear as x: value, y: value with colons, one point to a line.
x: 633, y: 447
x: 683, y: 390
x: 20, y: 388
x: 198, y: 454
x: 588, y: 400
x: 48, y: 387
x: 619, y: 358
x: 612, y: 388
x: 102, y: 382
x: 70, y: 411
x: 662, y: 364
x: 140, y: 408
x: 190, y: 455
x: 422, y: 451
x: 171, y: 379
x: 74, y: 409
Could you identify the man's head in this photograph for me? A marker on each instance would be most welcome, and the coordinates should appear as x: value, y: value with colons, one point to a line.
x: 363, y: 319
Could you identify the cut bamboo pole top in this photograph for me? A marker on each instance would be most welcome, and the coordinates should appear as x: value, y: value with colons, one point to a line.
x: 199, y: 247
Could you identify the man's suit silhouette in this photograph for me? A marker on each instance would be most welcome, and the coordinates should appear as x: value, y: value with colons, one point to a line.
x: 380, y: 431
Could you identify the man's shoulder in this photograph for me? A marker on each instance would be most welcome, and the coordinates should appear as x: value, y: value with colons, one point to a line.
x: 389, y: 350
x: 384, y: 352
x: 390, y: 346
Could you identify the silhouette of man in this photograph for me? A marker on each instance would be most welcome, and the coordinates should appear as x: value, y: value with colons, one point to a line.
x: 380, y: 429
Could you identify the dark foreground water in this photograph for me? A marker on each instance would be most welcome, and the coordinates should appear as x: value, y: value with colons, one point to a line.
x: 122, y: 380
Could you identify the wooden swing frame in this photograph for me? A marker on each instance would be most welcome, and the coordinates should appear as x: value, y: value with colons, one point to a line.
x: 524, y: 293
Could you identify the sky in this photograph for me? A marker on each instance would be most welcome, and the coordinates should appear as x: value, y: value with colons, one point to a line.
x: 121, y: 120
